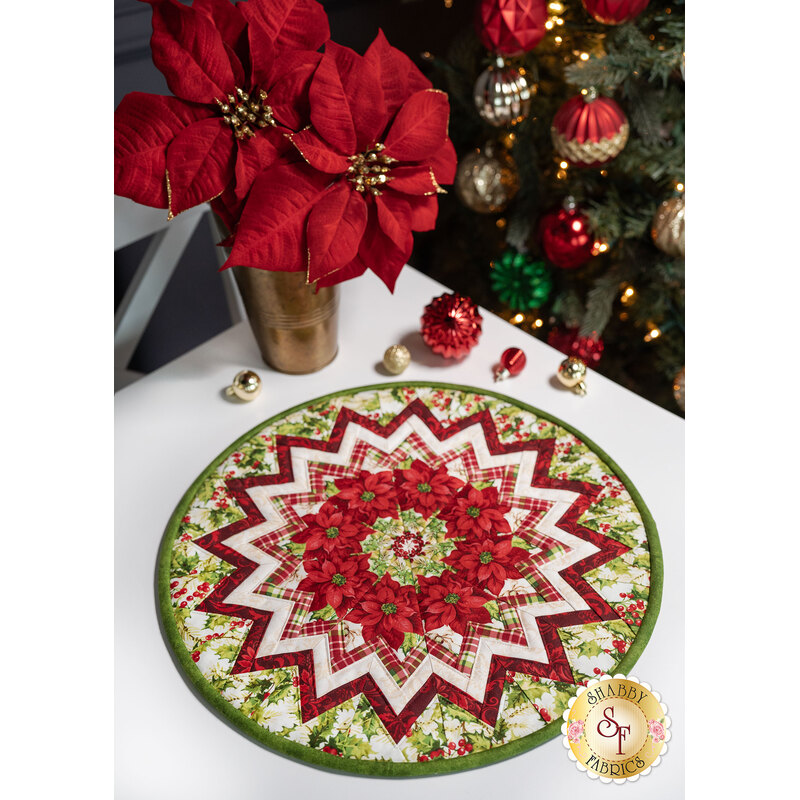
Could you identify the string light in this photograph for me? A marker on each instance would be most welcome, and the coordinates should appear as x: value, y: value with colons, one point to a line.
x: 628, y: 295
x: 555, y: 7
x: 549, y: 24
x: 501, y: 222
x: 599, y: 247
x: 604, y: 173
x: 537, y: 323
x: 679, y: 186
x: 558, y: 39
x: 584, y: 56
x: 654, y: 333
x: 563, y: 165
x: 561, y: 174
x: 517, y: 318
x: 624, y: 316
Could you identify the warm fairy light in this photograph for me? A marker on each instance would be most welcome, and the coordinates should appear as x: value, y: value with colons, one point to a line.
x: 537, y: 323
x: 627, y: 295
x: 584, y: 92
x: 500, y: 222
x: 654, y: 333
x: 559, y: 21
x: 563, y: 165
x: 555, y: 7
x: 624, y: 315
x: 517, y: 318
x: 602, y: 247
x: 448, y: 3
x: 561, y: 174
x: 558, y: 39
x: 679, y: 186
x: 549, y: 24
x: 604, y: 173
x: 577, y: 226
x: 584, y: 56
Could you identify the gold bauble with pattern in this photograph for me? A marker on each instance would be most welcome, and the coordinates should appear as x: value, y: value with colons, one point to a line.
x: 669, y: 227
x: 487, y: 179
x: 396, y: 359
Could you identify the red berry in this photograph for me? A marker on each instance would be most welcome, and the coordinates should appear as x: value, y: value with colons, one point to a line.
x: 422, y: 758
x: 461, y: 751
x: 461, y: 742
x: 183, y: 604
x: 195, y: 656
x: 173, y: 584
x: 468, y: 747
x: 597, y: 671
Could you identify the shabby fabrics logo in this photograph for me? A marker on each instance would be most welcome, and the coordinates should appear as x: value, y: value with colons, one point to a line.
x: 616, y: 729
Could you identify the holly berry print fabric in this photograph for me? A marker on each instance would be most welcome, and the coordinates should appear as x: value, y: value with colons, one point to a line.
x: 407, y: 579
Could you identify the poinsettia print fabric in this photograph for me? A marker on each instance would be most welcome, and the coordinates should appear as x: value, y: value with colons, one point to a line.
x: 405, y: 575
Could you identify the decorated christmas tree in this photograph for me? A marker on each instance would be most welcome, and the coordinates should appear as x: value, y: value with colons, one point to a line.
x: 567, y: 217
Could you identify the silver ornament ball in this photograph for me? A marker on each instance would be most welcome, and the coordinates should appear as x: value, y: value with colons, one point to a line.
x: 503, y: 94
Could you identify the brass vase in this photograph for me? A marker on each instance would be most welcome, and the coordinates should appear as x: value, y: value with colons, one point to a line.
x: 296, y: 327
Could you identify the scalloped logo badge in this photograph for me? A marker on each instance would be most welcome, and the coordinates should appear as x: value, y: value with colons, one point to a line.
x: 616, y: 729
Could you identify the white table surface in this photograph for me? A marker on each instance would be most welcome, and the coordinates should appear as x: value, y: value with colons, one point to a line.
x: 159, y: 722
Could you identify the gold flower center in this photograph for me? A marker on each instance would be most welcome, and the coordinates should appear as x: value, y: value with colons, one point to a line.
x: 368, y: 171
x: 244, y: 112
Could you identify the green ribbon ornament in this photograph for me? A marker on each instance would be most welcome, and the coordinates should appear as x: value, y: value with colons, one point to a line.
x: 520, y: 281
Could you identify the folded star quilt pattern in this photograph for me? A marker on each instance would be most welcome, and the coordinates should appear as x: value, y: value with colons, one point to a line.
x: 407, y: 579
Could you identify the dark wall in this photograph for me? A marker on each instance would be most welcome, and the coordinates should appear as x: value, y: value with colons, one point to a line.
x: 193, y: 307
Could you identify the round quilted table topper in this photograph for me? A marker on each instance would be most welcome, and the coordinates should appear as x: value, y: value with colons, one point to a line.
x: 407, y: 579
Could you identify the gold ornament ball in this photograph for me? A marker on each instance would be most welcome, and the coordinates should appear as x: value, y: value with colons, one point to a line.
x: 571, y: 373
x: 669, y: 227
x: 396, y: 358
x: 487, y: 180
x: 679, y: 389
x: 246, y: 385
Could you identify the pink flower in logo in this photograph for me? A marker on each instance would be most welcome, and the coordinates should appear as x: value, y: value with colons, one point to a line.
x: 575, y: 731
x: 657, y: 730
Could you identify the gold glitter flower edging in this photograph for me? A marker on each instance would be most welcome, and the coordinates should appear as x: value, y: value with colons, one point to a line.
x: 616, y: 729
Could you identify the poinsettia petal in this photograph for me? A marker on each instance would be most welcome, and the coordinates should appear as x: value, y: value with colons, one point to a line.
x: 288, y: 85
x: 381, y: 254
x: 394, y: 217
x: 229, y: 209
x: 144, y: 124
x: 362, y: 87
x: 330, y: 109
x: 200, y: 164
x: 230, y: 23
x: 424, y: 211
x: 444, y: 162
x: 291, y: 24
x: 318, y: 153
x: 349, y: 271
x: 420, y: 127
x: 415, y: 180
x: 189, y: 51
x: 255, y: 155
x: 399, y: 76
x: 335, y: 227
x: 271, y: 233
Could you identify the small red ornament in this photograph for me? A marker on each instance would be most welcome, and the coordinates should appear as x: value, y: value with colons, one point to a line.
x: 614, y: 12
x: 511, y: 27
x: 512, y: 362
x: 566, y: 238
x: 451, y: 325
x: 589, y: 130
x: 586, y: 348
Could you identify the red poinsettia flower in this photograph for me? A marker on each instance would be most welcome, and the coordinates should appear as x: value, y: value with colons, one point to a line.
x: 387, y: 610
x: 425, y: 489
x: 486, y: 562
x: 477, y: 512
x: 331, y: 529
x: 377, y: 151
x: 369, y: 496
x: 239, y: 75
x: 336, y: 581
x: 449, y: 600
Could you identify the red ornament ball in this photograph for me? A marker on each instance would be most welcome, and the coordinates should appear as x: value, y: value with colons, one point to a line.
x: 588, y: 348
x: 451, y: 325
x: 512, y: 362
x: 511, y: 27
x: 566, y: 238
x: 614, y: 12
x: 589, y: 130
